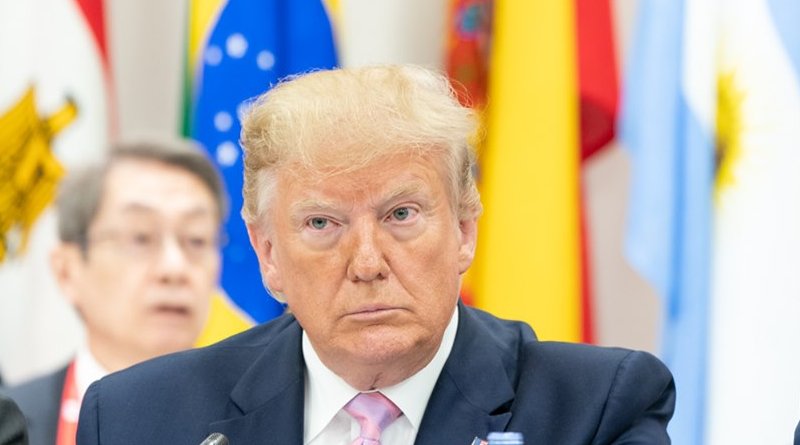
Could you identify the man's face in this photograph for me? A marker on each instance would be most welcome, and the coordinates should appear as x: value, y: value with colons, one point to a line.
x: 369, y: 261
x: 152, y: 262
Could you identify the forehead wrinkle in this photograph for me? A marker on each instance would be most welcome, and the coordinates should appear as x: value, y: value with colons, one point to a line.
x: 312, y: 204
x: 198, y: 210
x: 198, y: 213
x: 195, y: 213
x: 376, y: 199
x: 406, y: 189
x: 139, y: 207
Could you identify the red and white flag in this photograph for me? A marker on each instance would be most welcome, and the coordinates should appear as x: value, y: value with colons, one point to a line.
x: 55, y: 113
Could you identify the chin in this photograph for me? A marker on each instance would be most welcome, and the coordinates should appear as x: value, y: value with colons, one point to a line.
x: 387, y: 348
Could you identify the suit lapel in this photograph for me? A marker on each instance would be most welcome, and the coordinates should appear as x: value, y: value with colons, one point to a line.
x: 452, y: 418
x: 471, y: 398
x: 474, y: 393
x: 268, y: 401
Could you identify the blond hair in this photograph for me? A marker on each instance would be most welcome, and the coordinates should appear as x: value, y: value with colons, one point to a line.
x: 345, y: 118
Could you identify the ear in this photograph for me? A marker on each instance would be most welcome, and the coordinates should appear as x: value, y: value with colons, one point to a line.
x: 67, y: 263
x: 262, y: 244
x: 468, y: 229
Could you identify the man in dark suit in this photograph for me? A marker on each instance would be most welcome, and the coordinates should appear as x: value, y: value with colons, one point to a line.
x: 361, y: 205
x: 139, y: 264
x: 12, y: 424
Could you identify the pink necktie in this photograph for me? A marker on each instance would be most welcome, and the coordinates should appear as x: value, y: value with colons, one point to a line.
x: 374, y: 412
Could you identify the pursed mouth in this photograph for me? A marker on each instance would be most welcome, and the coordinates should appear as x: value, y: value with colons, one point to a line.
x: 172, y: 310
x: 372, y: 313
x: 369, y: 309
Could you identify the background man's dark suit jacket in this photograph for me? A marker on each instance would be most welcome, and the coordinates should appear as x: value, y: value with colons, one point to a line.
x: 12, y: 424
x: 797, y: 435
x: 498, y: 377
x: 40, y: 401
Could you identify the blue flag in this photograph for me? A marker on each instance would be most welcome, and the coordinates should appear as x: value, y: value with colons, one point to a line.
x: 671, y: 146
x: 252, y: 45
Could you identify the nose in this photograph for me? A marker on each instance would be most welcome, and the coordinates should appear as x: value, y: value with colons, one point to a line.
x: 367, y: 262
x: 172, y: 262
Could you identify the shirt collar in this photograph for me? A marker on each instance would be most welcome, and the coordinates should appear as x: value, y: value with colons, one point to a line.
x: 326, y: 392
x: 87, y: 370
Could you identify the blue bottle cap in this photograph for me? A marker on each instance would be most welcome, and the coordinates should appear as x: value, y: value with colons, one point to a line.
x: 505, y: 438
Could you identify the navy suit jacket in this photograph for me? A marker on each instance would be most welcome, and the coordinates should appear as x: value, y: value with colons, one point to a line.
x: 498, y: 377
x: 40, y: 402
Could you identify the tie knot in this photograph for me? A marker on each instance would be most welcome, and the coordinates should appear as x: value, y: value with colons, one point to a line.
x: 374, y: 412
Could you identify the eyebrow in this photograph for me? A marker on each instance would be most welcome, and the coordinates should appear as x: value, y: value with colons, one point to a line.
x: 311, y: 204
x: 404, y: 190
x: 319, y: 204
x: 136, y: 207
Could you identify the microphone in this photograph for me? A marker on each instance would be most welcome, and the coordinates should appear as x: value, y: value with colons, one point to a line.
x: 215, y: 439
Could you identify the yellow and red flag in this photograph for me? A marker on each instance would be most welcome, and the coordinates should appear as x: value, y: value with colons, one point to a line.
x: 550, y: 102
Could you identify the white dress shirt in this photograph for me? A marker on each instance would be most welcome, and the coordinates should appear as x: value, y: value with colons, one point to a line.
x: 326, y: 423
x: 87, y: 370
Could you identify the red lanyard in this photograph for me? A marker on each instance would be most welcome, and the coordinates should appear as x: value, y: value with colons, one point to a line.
x: 70, y: 408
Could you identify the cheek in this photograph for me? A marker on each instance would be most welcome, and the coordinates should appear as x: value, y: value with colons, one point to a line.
x: 306, y: 271
x: 435, y: 257
x: 97, y: 285
x: 215, y: 268
x: 119, y: 296
x: 312, y: 312
x: 310, y: 283
x: 431, y: 276
x: 206, y: 277
x: 110, y: 304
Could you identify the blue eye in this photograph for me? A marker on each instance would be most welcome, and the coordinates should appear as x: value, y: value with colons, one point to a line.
x: 401, y: 213
x: 318, y: 222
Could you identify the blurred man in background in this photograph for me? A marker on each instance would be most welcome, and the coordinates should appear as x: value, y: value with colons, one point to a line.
x: 139, y: 260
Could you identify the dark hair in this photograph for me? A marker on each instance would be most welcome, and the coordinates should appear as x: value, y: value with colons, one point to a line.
x: 81, y: 191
